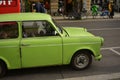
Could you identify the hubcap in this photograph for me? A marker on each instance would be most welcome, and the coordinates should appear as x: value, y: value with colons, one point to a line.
x: 81, y: 61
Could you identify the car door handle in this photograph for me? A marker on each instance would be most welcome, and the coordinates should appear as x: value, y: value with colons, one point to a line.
x: 25, y: 44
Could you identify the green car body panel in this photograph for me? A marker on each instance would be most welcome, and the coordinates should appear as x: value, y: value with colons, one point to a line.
x: 45, y: 51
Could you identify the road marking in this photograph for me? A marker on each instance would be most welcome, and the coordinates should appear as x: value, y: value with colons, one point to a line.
x: 103, y: 29
x: 115, y: 51
x: 111, y: 76
x: 112, y: 49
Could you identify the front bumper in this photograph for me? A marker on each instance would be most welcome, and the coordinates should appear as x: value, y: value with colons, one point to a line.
x: 99, y: 57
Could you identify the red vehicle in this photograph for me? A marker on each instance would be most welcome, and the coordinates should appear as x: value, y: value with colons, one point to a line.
x: 9, y: 6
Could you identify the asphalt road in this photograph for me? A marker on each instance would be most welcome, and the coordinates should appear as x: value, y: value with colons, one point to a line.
x: 106, y: 69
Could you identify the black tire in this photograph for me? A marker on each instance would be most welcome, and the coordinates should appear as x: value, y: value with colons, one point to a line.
x: 3, y: 69
x: 81, y: 60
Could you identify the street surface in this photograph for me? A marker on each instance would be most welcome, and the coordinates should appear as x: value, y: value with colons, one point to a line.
x: 106, y: 69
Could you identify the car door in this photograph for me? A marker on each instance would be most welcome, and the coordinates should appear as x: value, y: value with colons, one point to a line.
x: 39, y: 45
x: 9, y: 44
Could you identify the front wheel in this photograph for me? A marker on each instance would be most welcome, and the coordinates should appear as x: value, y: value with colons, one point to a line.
x: 81, y: 60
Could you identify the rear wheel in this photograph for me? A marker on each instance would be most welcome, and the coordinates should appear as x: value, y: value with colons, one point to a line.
x: 81, y: 60
x: 3, y: 69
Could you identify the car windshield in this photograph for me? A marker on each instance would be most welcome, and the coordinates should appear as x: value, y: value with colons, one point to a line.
x: 58, y: 26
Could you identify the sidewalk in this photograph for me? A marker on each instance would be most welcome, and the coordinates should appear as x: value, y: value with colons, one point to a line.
x: 116, y: 16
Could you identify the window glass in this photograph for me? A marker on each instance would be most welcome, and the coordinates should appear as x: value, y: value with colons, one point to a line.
x: 8, y: 30
x: 37, y: 29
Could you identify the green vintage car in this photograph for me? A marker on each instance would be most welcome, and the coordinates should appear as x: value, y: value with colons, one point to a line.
x: 34, y: 39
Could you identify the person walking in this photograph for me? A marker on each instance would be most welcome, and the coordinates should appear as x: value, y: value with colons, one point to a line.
x: 39, y: 7
x: 94, y: 9
x: 47, y: 6
x: 111, y: 9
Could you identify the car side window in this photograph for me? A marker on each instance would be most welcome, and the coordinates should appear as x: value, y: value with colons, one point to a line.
x: 37, y: 29
x: 8, y: 30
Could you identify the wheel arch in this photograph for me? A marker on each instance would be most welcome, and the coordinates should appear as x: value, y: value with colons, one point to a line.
x: 4, y: 68
x: 82, y: 50
x: 85, y: 51
x: 4, y: 62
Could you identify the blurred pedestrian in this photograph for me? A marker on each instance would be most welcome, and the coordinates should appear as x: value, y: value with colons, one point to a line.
x: 69, y: 6
x: 39, y: 7
x: 47, y: 6
x: 111, y: 9
x: 94, y: 9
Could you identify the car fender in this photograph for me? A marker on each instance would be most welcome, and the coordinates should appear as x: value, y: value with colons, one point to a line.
x: 5, y: 61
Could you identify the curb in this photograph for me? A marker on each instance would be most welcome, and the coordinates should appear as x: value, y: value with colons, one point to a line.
x: 62, y: 18
x: 85, y: 20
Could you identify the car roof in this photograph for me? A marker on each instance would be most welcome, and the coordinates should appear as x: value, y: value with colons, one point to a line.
x: 24, y: 17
